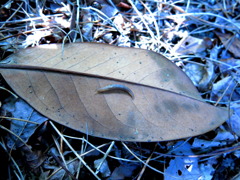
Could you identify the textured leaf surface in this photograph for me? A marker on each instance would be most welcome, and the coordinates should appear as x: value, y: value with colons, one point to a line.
x: 135, y: 65
x: 70, y: 98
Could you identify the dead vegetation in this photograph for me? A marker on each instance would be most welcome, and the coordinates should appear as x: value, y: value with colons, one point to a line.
x: 200, y: 37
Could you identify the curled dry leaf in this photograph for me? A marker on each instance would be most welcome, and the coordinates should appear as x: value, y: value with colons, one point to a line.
x: 163, y: 108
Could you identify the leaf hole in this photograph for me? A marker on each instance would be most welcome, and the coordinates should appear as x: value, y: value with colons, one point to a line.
x: 179, y: 172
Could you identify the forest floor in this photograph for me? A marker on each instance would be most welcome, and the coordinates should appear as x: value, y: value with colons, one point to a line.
x: 200, y: 37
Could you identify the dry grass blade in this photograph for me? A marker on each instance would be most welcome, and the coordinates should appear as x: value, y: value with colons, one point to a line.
x: 15, y: 135
x: 17, y: 119
x: 195, y: 16
x: 19, y: 173
x: 146, y: 164
x: 147, y: 161
x: 104, y: 157
x: 61, y: 161
x: 9, y: 92
x: 73, y: 150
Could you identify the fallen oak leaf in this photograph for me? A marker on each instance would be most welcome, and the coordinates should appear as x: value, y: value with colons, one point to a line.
x: 70, y: 98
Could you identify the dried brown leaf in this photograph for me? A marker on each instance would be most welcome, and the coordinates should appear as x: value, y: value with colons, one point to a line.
x: 135, y: 65
x: 70, y: 97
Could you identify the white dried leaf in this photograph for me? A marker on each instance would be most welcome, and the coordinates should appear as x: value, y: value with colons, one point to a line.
x: 183, y: 167
x: 200, y: 143
x: 190, y: 45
